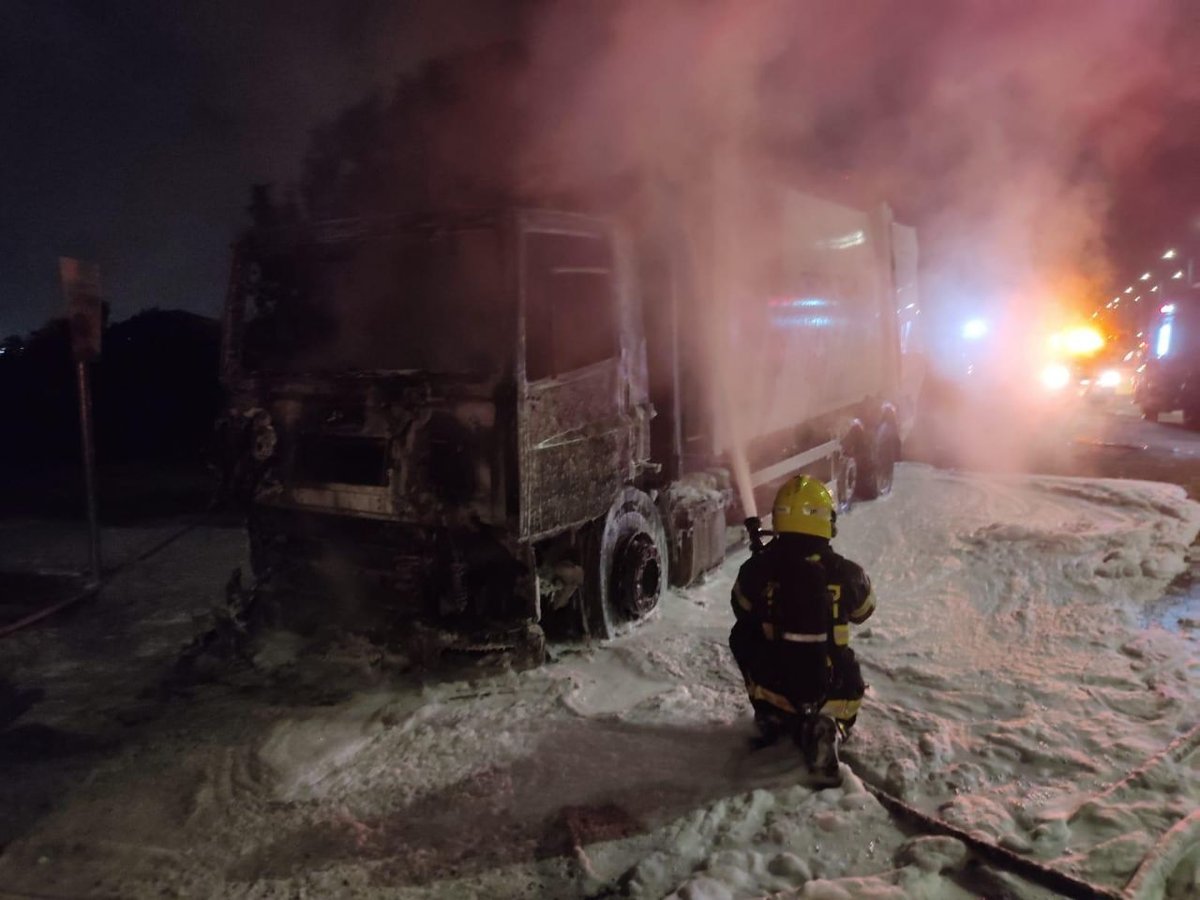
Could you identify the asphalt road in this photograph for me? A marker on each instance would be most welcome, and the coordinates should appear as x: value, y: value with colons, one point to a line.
x: 1109, y: 438
x: 1006, y: 431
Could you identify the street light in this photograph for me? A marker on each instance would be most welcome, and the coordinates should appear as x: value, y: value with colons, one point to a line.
x: 1178, y: 275
x: 1129, y: 290
x: 1170, y: 254
x: 1145, y: 276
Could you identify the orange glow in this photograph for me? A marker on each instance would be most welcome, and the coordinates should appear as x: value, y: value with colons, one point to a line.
x: 1080, y: 341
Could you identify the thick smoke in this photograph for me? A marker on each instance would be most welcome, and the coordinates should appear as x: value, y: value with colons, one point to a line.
x: 997, y: 129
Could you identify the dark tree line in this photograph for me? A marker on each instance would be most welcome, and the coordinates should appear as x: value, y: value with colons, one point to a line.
x: 155, y: 386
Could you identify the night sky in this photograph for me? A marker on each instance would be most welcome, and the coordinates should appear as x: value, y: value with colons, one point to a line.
x: 132, y: 130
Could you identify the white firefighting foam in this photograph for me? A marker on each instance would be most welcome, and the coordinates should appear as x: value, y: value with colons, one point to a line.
x: 1011, y: 691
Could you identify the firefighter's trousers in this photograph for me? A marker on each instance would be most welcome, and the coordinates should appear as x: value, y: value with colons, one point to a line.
x: 775, y: 693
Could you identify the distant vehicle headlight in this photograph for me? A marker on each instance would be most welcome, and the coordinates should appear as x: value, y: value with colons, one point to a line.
x: 975, y: 329
x: 1055, y: 377
x: 1109, y: 378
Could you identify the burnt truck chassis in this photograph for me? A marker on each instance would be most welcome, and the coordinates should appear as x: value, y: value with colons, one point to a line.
x: 398, y: 565
x: 366, y: 510
x: 466, y: 513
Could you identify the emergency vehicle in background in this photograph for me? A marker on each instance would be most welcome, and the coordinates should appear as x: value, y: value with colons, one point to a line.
x: 1169, y: 377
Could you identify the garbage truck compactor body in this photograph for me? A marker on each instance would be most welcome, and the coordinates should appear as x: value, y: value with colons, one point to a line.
x: 459, y: 429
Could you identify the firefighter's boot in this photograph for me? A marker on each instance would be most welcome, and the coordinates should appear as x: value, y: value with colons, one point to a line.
x: 771, y: 727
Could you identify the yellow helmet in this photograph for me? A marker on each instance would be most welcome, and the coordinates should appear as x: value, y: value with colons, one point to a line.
x: 803, y: 506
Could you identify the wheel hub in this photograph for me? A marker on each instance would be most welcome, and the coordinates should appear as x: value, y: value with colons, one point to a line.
x: 638, y: 575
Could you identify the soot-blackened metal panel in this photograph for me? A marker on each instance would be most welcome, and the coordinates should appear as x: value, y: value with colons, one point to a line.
x: 575, y: 451
x: 410, y: 447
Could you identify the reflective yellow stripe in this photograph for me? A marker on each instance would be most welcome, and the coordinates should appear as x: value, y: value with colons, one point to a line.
x: 864, y: 609
x: 841, y: 709
x: 741, y: 598
x: 758, y: 692
x: 835, y: 591
x: 841, y: 635
x: 797, y: 637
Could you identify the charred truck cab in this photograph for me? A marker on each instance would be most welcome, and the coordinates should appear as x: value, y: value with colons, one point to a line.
x: 456, y: 430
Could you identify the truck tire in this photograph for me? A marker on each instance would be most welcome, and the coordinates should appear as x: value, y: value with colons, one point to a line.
x: 876, y: 460
x: 1149, y: 414
x: 856, y: 456
x: 626, y: 564
x: 887, y: 454
x: 847, y: 482
x: 1191, y: 418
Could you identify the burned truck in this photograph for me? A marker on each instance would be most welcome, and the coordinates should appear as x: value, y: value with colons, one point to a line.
x: 473, y: 428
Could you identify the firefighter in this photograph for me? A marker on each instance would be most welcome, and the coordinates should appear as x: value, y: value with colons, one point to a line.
x: 794, y: 601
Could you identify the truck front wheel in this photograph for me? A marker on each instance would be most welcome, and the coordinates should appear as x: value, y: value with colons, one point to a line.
x: 626, y: 564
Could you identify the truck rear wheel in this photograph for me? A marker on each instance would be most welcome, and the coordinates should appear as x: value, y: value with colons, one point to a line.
x: 847, y: 482
x: 887, y: 452
x: 1149, y: 414
x: 626, y: 564
x: 876, y: 458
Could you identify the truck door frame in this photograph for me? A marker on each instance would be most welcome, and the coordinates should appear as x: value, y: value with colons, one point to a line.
x: 577, y: 429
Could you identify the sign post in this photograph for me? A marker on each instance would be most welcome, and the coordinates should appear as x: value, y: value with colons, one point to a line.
x: 81, y: 283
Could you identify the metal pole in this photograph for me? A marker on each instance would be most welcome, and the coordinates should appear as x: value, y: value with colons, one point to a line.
x: 89, y: 465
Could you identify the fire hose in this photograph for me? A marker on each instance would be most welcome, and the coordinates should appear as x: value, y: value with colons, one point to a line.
x: 92, y: 588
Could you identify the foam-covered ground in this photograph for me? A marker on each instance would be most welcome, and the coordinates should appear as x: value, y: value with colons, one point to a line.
x: 1014, y: 684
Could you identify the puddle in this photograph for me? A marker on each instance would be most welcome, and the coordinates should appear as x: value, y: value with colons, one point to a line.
x: 1178, y: 610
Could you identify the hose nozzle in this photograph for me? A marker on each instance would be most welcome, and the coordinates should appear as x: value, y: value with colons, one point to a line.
x: 754, y: 530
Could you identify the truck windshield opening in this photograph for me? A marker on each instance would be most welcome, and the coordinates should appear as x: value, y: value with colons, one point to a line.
x: 421, y: 300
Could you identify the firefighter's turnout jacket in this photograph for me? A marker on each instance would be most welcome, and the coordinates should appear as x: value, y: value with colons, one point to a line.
x: 794, y: 602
